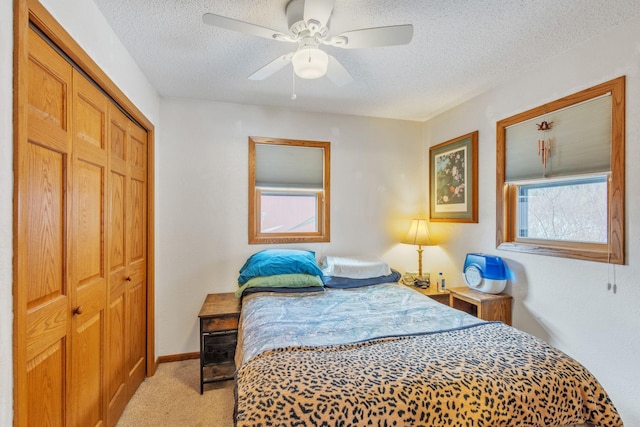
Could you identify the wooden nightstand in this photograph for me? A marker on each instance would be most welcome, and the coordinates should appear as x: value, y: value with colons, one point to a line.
x: 219, y: 317
x: 483, y: 306
x: 432, y: 292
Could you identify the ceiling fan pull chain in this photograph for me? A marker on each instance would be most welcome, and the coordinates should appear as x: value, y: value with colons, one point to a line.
x: 293, y: 83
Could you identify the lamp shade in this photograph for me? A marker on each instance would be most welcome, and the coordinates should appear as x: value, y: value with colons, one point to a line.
x: 310, y: 63
x: 418, y: 233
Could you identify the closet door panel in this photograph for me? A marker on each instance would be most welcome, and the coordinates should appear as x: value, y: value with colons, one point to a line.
x: 117, y: 227
x: 137, y: 232
x: 117, y: 268
x: 45, y: 387
x: 137, y: 255
x: 137, y: 336
x: 87, y: 229
x: 87, y: 402
x: 48, y: 93
x: 41, y: 304
x: 87, y: 242
x: 116, y: 374
x: 44, y: 226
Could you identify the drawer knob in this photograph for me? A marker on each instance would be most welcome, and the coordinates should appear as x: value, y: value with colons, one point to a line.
x: 78, y: 310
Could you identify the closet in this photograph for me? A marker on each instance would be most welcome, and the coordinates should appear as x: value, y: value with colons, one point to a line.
x: 81, y: 296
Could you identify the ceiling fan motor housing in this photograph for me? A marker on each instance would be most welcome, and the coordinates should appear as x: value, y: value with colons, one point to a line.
x: 297, y: 25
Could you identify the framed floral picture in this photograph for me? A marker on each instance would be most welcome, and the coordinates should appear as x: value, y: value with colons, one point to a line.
x: 453, y: 180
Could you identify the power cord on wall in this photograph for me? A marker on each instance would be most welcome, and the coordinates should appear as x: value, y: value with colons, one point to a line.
x: 611, y: 268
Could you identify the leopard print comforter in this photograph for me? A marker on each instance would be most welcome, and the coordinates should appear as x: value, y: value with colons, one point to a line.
x: 483, y: 375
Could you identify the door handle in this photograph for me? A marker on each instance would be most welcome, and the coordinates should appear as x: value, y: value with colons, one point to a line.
x: 78, y: 310
x: 128, y: 278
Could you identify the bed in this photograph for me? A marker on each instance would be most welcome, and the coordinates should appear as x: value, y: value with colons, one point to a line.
x: 384, y: 354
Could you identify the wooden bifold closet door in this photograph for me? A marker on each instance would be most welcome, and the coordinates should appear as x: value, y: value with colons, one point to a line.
x: 80, y: 280
x: 127, y: 260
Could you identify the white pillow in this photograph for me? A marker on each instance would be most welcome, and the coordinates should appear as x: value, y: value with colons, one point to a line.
x: 355, y: 267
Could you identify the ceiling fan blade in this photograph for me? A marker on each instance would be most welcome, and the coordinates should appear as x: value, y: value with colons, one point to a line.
x: 272, y: 67
x: 243, y: 27
x: 374, y: 37
x: 318, y: 10
x: 336, y: 72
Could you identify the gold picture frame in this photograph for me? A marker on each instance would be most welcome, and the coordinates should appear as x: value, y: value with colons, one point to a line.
x: 453, y: 180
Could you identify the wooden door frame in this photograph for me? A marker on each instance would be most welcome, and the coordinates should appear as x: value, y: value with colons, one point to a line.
x: 26, y: 11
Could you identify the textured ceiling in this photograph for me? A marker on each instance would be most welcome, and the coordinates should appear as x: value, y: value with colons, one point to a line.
x: 460, y: 48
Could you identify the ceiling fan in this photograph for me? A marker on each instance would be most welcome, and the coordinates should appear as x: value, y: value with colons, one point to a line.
x: 308, y: 22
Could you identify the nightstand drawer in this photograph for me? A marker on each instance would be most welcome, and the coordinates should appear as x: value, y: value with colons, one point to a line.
x: 219, y: 347
x: 215, y: 324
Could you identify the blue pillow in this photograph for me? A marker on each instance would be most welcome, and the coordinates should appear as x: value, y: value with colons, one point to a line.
x: 345, y: 282
x: 270, y: 262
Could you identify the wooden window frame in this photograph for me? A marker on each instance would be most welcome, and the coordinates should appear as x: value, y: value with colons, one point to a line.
x: 323, y: 205
x: 507, y: 194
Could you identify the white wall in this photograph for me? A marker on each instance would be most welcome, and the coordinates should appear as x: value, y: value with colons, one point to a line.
x: 564, y: 302
x: 6, y: 206
x: 202, y: 198
x: 378, y: 183
x: 83, y: 21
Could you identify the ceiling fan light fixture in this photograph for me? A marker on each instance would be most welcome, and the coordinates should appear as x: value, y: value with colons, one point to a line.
x: 310, y: 63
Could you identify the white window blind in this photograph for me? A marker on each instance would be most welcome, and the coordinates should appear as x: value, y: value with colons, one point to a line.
x: 580, y: 143
x: 283, y: 166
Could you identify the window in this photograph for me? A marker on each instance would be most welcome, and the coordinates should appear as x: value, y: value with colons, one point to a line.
x: 572, y: 203
x: 288, y: 191
x: 289, y: 211
x: 568, y: 211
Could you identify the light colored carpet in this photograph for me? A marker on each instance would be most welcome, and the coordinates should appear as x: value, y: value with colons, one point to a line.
x: 172, y: 398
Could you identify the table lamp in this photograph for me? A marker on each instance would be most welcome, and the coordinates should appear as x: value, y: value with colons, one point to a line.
x: 419, y: 235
